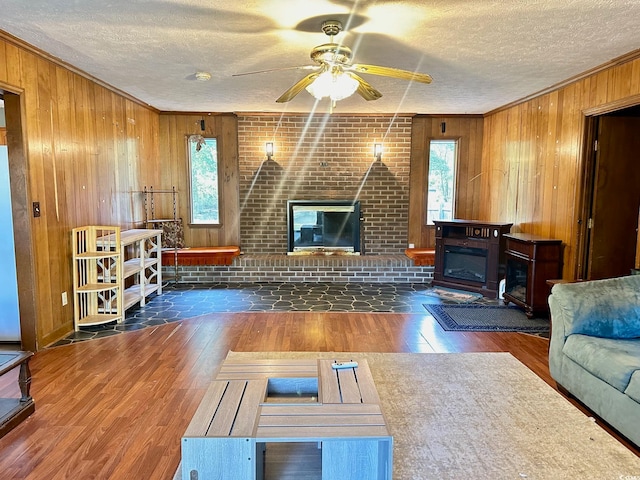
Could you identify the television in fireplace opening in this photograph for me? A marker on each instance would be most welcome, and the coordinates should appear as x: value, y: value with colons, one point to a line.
x: 323, y: 225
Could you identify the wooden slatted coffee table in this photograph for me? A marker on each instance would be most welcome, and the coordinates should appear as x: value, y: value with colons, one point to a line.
x: 254, y: 402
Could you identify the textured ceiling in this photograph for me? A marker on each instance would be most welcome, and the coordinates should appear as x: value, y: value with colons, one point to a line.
x: 481, y: 54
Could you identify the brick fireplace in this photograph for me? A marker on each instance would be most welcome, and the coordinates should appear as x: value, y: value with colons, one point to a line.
x: 324, y: 157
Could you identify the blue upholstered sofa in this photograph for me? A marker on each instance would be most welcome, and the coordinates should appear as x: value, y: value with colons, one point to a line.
x: 594, y: 352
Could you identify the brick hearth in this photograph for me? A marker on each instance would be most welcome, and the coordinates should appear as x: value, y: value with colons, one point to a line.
x: 312, y: 268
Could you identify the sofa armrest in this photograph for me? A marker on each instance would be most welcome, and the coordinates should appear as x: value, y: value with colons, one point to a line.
x: 558, y: 336
x: 607, y: 308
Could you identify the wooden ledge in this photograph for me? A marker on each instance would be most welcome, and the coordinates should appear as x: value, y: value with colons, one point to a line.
x: 421, y: 256
x: 200, y: 255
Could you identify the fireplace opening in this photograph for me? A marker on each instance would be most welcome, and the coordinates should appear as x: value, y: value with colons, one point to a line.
x: 516, y: 281
x: 323, y: 226
x: 465, y: 263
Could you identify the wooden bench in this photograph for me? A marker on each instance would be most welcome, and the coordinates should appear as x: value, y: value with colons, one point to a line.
x: 252, y: 403
x: 200, y: 255
x: 421, y: 256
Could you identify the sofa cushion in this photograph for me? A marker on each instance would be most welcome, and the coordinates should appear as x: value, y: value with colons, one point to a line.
x: 607, y: 308
x: 633, y: 390
x: 613, y: 361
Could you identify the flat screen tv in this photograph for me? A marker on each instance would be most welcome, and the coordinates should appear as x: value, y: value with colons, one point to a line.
x: 323, y: 226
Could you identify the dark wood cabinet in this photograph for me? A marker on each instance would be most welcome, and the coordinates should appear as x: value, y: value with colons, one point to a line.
x: 470, y: 255
x: 531, y: 261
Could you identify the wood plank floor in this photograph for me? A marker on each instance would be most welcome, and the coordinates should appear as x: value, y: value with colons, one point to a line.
x: 116, y: 408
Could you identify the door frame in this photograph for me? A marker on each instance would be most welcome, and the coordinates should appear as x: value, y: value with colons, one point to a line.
x: 585, y: 190
x: 14, y: 107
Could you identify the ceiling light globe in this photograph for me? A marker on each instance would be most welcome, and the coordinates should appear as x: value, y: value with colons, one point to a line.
x: 336, y: 86
x: 344, y: 86
x: 321, y: 86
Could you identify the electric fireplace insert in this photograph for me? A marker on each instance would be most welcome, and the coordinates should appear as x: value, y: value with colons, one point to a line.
x: 465, y: 263
x: 470, y: 255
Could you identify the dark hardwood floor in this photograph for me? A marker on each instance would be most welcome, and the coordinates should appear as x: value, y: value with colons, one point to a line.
x: 116, y: 407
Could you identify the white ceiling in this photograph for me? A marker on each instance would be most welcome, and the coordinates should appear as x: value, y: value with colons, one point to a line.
x: 482, y: 54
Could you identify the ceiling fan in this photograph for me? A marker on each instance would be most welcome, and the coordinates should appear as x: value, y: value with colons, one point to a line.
x: 333, y: 74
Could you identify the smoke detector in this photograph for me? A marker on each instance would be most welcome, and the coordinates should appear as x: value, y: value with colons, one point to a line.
x: 203, y: 76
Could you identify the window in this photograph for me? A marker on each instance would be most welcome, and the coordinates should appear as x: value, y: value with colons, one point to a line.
x: 203, y: 178
x: 442, y: 172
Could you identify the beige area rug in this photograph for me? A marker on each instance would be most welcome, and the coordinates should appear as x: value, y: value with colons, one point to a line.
x: 483, y: 416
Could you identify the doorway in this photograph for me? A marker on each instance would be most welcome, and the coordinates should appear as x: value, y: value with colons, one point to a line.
x: 21, y: 218
x: 611, y: 195
x: 10, y: 318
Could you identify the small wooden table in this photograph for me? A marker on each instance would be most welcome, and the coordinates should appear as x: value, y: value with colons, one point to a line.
x: 15, y: 410
x: 254, y: 402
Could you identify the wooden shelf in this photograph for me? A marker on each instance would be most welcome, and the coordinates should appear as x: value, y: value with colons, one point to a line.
x: 131, y: 296
x: 96, y: 263
x: 98, y: 319
x: 131, y: 258
x: 135, y: 294
x: 98, y: 287
x: 133, y: 265
x: 98, y: 255
x: 143, y: 267
x: 151, y: 288
x: 132, y: 236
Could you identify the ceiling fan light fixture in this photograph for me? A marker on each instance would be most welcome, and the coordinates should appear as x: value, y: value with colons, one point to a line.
x: 336, y: 86
x: 334, y: 76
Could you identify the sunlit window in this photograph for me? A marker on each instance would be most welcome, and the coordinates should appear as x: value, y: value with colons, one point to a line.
x: 443, y: 156
x: 203, y: 171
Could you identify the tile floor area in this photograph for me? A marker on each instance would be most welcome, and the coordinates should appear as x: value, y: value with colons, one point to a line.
x: 182, y: 301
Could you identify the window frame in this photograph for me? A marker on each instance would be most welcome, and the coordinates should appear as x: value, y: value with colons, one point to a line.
x: 190, y: 146
x: 454, y: 193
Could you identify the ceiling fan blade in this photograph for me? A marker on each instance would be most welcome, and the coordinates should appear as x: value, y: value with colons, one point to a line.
x: 391, y: 72
x: 300, y: 67
x: 297, y: 88
x: 365, y: 90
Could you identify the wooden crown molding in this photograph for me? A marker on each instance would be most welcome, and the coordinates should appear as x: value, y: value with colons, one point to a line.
x: 450, y: 115
x: 614, y: 106
x: 628, y: 57
x: 198, y: 114
x: 322, y: 114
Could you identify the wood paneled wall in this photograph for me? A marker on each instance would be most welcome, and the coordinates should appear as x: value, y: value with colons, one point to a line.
x: 173, y: 171
x: 468, y: 131
x: 87, y: 151
x: 532, y: 163
x: 3, y: 136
